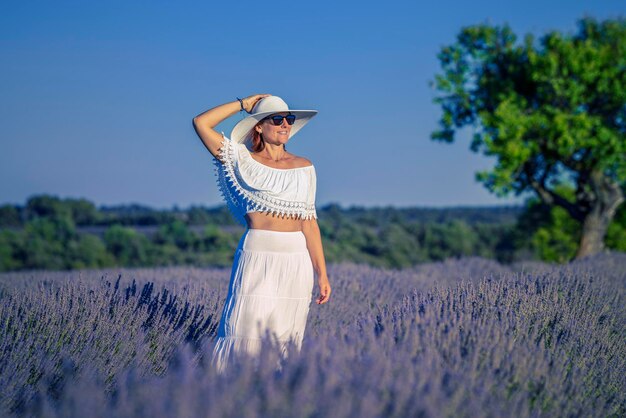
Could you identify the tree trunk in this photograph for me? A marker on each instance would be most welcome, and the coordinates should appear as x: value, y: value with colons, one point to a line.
x: 608, y: 196
x: 594, y: 230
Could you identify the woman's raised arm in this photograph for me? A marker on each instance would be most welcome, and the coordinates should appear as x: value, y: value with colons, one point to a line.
x: 205, y: 122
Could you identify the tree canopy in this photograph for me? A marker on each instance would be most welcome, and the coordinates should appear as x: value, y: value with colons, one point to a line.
x: 553, y: 112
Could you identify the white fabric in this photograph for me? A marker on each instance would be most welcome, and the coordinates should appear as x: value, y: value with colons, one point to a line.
x: 270, y: 288
x: 250, y: 186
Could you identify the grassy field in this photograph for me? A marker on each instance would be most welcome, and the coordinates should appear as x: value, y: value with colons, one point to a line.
x: 460, y: 338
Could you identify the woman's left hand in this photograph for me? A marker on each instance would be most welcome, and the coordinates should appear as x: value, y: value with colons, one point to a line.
x: 324, y: 290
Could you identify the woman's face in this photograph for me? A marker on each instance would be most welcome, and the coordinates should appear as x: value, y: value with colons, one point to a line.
x: 275, y: 134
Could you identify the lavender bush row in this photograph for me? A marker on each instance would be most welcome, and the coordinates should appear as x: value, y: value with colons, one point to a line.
x: 465, y: 337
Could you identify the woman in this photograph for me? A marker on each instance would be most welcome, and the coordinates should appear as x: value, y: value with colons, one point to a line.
x: 272, y: 193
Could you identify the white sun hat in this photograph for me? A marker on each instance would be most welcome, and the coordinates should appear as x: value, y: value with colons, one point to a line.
x: 243, y: 130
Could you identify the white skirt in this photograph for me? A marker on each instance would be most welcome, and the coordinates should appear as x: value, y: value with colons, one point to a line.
x: 270, y: 290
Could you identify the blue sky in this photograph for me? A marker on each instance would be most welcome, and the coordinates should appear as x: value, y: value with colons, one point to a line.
x: 97, y: 98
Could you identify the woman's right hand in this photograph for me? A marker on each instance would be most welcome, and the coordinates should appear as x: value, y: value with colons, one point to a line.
x: 205, y: 122
x: 250, y: 101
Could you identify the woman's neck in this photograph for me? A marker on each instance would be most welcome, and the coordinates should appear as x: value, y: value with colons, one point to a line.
x: 274, y: 152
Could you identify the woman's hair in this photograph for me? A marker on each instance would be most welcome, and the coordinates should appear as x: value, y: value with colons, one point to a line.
x: 258, y: 144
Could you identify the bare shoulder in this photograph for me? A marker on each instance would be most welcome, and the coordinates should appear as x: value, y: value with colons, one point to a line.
x: 301, y: 161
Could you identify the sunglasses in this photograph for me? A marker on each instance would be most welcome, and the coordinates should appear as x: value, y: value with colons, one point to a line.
x: 278, y: 119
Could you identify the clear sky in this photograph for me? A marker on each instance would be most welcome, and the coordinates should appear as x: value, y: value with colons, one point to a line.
x: 97, y: 98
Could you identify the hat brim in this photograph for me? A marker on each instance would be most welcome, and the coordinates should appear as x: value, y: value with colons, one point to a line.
x: 242, y: 132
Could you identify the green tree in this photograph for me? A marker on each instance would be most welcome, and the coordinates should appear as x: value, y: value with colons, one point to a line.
x: 10, y: 216
x: 616, y: 234
x: 216, y: 247
x: 46, y: 206
x: 10, y: 242
x: 556, y: 240
x: 198, y: 216
x: 553, y: 235
x: 175, y: 233
x: 451, y: 239
x: 129, y: 247
x: 400, y: 248
x: 88, y: 251
x: 83, y: 211
x: 45, y: 242
x: 553, y: 112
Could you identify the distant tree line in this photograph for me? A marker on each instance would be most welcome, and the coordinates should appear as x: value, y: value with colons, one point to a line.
x: 58, y: 234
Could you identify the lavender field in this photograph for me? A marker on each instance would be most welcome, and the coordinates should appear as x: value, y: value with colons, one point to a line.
x: 459, y: 338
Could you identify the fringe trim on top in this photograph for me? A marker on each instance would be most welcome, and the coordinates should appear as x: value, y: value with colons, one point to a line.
x: 239, y: 200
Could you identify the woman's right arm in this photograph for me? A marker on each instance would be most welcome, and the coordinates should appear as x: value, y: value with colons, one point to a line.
x: 205, y: 122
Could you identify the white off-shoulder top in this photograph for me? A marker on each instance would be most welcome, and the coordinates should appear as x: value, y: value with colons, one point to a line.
x: 250, y: 186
